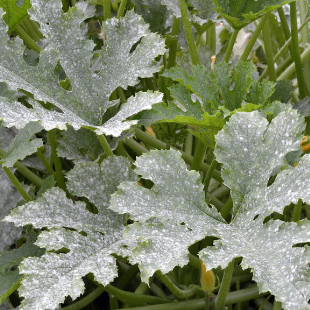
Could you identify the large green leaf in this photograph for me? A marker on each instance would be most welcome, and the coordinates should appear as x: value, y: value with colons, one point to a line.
x: 129, y: 52
x: 174, y: 211
x: 91, y: 238
x: 239, y: 13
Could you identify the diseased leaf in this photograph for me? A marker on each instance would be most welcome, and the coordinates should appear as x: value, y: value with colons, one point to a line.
x: 21, y: 146
x: 10, y: 278
x: 251, y: 150
x: 91, y: 238
x: 85, y: 105
x: 102, y: 181
x: 170, y: 203
x: 239, y: 13
x: 259, y: 147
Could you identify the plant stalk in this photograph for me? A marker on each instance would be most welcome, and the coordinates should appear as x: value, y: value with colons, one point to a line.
x: 268, y: 50
x: 230, y: 46
x: 28, y: 174
x: 106, y: 9
x: 85, y: 301
x: 174, y: 42
x: 29, y: 42
x: 224, y: 288
x: 105, y: 145
x: 188, y: 32
x: 209, y: 174
x: 199, y: 154
x: 121, y: 9
x: 296, y: 55
x: 198, y: 304
x: 17, y: 184
x: 253, y: 38
x: 58, y: 169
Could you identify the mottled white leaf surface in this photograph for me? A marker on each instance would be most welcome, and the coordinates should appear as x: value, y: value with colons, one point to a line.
x: 173, y: 212
x: 98, y: 182
x: 54, y: 276
x: 258, y: 149
x: 23, y: 144
x: 176, y: 198
x: 88, y: 100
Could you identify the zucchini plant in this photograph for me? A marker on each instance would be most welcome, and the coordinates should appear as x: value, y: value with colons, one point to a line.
x: 154, y: 154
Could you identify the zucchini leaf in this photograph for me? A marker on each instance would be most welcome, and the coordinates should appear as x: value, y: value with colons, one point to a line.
x: 90, y: 238
x: 16, y: 11
x: 118, y: 64
x: 21, y: 146
x: 239, y: 13
x: 174, y: 211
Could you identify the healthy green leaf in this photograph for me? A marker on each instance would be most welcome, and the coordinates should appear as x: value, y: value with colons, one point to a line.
x: 9, y: 282
x: 13, y: 258
x: 95, y: 237
x: 117, y: 65
x: 239, y: 13
x: 219, y: 94
x: 21, y: 146
x: 16, y: 11
x: 251, y: 150
x: 79, y: 144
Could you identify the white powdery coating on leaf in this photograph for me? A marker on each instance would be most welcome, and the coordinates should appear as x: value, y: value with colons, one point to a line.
x: 98, y: 182
x: 258, y: 149
x: 141, y: 101
x: 88, y: 100
x: 54, y: 276
x: 172, y: 214
x: 54, y: 209
x: 158, y: 246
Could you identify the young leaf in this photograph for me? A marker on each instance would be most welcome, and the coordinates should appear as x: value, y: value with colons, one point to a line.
x: 119, y: 64
x: 250, y: 150
x: 16, y: 11
x: 239, y: 13
x: 54, y: 276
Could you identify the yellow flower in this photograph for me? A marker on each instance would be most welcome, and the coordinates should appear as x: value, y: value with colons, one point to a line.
x: 207, y: 279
